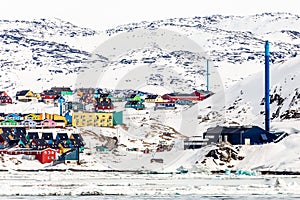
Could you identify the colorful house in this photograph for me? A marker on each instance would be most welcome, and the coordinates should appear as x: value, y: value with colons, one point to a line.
x: 32, y: 116
x: 25, y: 95
x: 104, y: 119
x: 9, y: 122
x: 47, y: 155
x: 48, y: 96
x: 29, y: 123
x: 5, y: 100
x: 13, y: 116
x: 48, y: 123
x: 56, y: 118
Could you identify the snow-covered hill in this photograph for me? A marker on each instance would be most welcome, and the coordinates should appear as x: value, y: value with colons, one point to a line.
x: 45, y: 52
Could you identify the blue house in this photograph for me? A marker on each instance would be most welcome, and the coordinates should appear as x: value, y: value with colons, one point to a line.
x: 29, y: 123
x: 13, y: 116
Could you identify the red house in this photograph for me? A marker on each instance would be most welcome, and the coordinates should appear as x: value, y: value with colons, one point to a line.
x: 48, y: 96
x: 46, y: 156
x: 5, y: 100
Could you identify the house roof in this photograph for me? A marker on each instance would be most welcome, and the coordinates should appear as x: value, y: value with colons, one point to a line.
x: 61, y: 89
x: 62, y: 136
x: 151, y: 96
x: 76, y: 136
x: 22, y: 92
x: 231, y: 129
x: 47, y: 136
x: 33, y: 135
x: 76, y: 143
x: 19, y: 132
x: 5, y: 136
x: 31, y: 114
x: 50, y: 93
x: 12, y: 115
x: 9, y: 120
x: 7, y: 130
x: 39, y: 142
x: 133, y: 103
x: 182, y: 94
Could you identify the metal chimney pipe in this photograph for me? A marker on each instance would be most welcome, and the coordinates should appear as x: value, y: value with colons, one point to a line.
x: 267, y: 86
x: 207, y: 76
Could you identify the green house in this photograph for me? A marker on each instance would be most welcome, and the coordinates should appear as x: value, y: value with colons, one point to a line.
x: 9, y: 122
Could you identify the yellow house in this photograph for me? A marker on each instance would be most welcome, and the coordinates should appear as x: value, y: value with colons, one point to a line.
x: 34, y: 116
x: 80, y: 119
x: 56, y: 117
x: 25, y: 95
x: 159, y: 99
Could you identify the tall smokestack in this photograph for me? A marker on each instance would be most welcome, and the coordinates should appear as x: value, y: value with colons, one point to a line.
x: 207, y: 76
x: 267, y: 86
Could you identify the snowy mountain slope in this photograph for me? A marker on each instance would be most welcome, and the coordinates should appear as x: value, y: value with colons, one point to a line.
x: 60, y: 49
x: 244, y: 101
x: 33, y: 51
